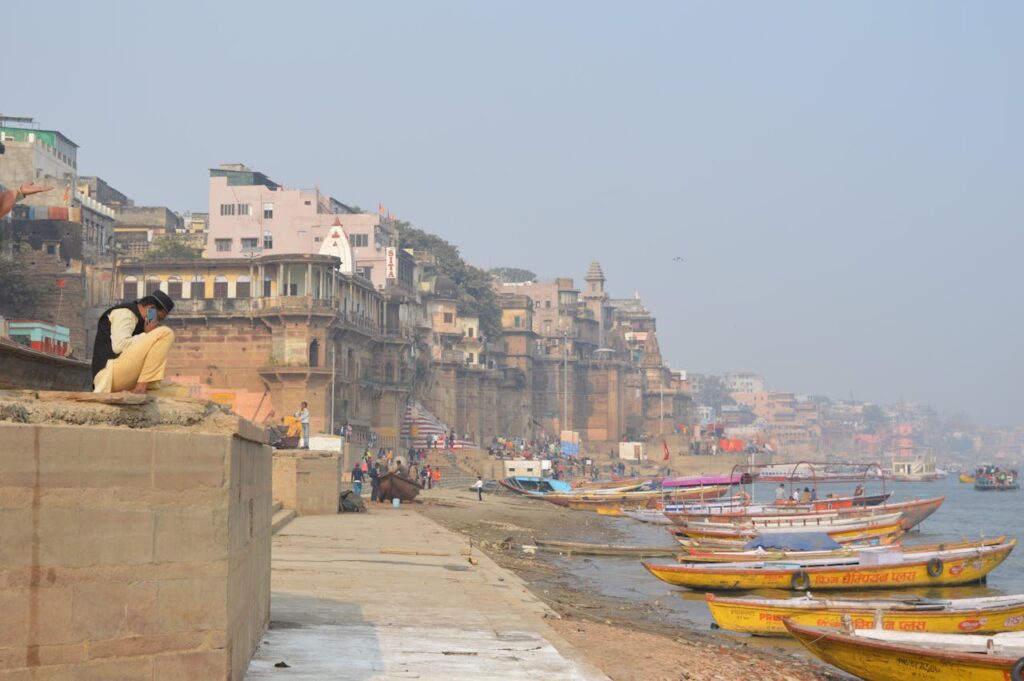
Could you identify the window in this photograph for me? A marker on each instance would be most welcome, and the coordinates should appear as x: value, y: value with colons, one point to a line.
x: 220, y: 287
x: 152, y: 284
x: 242, y: 287
x: 227, y: 209
x: 244, y: 209
x: 51, y: 249
x: 266, y: 287
x: 469, y: 358
x: 250, y: 244
x: 268, y: 211
x: 517, y: 321
x: 317, y: 239
x: 174, y: 287
x: 130, y: 289
x: 547, y: 303
x: 359, y: 240
x: 449, y: 317
x: 222, y: 245
x: 197, y: 288
x: 308, y: 203
x: 469, y: 332
x: 268, y: 239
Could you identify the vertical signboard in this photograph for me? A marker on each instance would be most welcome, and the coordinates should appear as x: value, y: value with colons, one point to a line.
x: 391, y: 263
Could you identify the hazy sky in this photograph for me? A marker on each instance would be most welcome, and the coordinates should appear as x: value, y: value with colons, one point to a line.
x: 843, y: 180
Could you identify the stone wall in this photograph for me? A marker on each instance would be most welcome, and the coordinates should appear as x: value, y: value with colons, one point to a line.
x: 308, y: 482
x: 138, y: 552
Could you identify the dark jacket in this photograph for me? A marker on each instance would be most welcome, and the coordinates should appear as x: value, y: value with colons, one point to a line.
x: 102, y: 348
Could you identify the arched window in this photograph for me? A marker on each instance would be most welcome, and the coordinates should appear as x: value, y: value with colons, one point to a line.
x: 152, y: 284
x: 174, y: 287
x: 130, y: 289
x: 220, y: 287
x: 243, y: 287
x: 314, y: 353
x: 197, y: 289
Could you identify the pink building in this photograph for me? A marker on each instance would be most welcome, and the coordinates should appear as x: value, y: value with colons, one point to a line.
x: 252, y: 214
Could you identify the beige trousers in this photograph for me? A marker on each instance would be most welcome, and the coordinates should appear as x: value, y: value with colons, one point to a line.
x: 143, y: 361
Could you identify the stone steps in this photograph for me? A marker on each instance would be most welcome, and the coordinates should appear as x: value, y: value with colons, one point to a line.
x: 275, y: 508
x: 281, y: 518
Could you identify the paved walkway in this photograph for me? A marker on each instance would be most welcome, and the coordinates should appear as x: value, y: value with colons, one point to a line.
x: 353, y: 600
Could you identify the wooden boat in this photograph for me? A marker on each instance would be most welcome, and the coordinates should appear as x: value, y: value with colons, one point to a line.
x: 534, y: 486
x: 571, y: 547
x: 993, y: 478
x: 646, y: 515
x: 751, y: 527
x: 395, y: 486
x: 871, y: 571
x: 610, y: 484
x: 902, y: 656
x: 967, y: 478
x: 639, y: 499
x: 913, y: 512
x: 763, y: 616
x: 721, y: 555
x: 882, y: 534
x: 738, y: 509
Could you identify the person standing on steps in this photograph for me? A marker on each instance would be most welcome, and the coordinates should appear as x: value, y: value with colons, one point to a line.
x: 479, y: 486
x: 303, y: 416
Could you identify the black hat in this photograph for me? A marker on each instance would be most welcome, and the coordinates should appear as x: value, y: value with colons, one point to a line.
x: 163, y: 300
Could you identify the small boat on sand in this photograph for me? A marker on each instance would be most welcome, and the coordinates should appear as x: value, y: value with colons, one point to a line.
x: 875, y: 570
x: 763, y: 616
x: 882, y: 655
x: 571, y: 547
x: 395, y: 486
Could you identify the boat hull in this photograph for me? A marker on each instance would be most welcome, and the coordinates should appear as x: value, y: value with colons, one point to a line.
x: 394, y: 486
x: 881, y: 661
x: 967, y: 479
x: 749, y: 616
x: 958, y: 569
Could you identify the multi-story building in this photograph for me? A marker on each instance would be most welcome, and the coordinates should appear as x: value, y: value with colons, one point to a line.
x: 744, y: 382
x: 263, y: 334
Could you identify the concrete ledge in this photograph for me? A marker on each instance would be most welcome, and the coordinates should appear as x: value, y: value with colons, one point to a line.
x: 133, y: 551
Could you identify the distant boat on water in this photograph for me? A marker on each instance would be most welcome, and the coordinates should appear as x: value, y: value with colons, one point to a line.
x: 992, y: 478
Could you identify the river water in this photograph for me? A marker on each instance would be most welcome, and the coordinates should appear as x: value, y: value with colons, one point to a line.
x: 966, y: 514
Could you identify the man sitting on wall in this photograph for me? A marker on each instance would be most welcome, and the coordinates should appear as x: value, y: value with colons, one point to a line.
x: 131, y: 347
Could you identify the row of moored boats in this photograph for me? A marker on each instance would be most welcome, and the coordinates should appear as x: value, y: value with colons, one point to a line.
x: 724, y: 542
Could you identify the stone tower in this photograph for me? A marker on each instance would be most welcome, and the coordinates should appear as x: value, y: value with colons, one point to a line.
x: 595, y: 298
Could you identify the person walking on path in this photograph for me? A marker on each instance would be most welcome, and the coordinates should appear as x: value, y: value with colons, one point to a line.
x: 357, y: 480
x: 130, y: 352
x: 374, y: 483
x: 479, y: 486
x: 303, y: 416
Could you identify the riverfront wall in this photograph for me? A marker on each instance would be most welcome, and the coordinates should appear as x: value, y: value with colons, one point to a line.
x: 131, y: 552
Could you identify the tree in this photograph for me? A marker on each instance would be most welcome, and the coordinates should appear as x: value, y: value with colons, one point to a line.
x: 513, y: 275
x: 476, y: 296
x: 714, y: 394
x: 874, y: 416
x: 18, y: 293
x: 173, y: 247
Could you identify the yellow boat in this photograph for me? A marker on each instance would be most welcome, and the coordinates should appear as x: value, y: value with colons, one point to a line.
x: 902, y: 656
x: 764, y: 616
x: 966, y: 478
x: 869, y: 571
x: 720, y: 555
